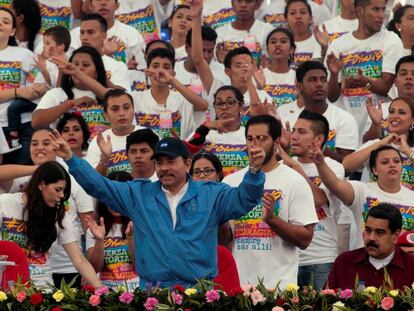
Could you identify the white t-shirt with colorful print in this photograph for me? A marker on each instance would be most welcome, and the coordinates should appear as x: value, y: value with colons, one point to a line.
x: 280, y: 86
x: 55, y: 13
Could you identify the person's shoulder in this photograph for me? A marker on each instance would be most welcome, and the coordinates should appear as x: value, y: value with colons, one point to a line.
x: 341, y: 114
x: 348, y: 257
x: 343, y: 41
x: 20, y: 51
x: 333, y: 164
x: 235, y: 178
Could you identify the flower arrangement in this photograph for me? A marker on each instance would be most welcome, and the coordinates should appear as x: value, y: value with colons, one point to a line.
x: 204, y: 296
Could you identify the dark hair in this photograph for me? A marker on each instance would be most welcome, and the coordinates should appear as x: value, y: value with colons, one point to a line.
x: 410, y: 137
x: 374, y: 155
x: 32, y: 18
x: 103, y: 211
x: 233, y: 53
x: 289, y: 2
x: 67, y: 82
x: 142, y: 136
x: 96, y: 17
x: 115, y: 93
x: 289, y: 34
x: 389, y: 212
x: 207, y: 34
x: 161, y: 53
x: 12, y: 39
x: 239, y: 96
x: 41, y: 219
x: 60, y: 35
x: 38, y: 129
x: 167, y: 44
x: 403, y: 60
x: 67, y: 116
x: 210, y: 157
x: 320, y: 124
x: 175, y: 11
x: 304, y: 67
x: 274, y: 126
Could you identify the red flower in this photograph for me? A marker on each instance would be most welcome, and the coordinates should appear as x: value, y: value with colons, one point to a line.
x: 235, y: 291
x: 56, y: 309
x: 36, y: 299
x: 179, y: 288
x: 187, y: 309
x: 280, y: 302
x: 88, y: 288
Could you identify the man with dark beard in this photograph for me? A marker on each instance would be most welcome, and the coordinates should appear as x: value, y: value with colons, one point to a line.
x: 268, y: 237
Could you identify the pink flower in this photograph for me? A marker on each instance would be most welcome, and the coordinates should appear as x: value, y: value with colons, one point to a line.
x: 21, y: 296
x: 178, y: 299
x: 345, y: 294
x: 151, y: 303
x: 387, y: 303
x: 102, y: 290
x: 94, y: 300
x: 212, y: 295
x: 295, y: 299
x: 247, y: 289
x: 328, y: 291
x: 126, y: 298
x: 257, y: 297
x: 278, y: 309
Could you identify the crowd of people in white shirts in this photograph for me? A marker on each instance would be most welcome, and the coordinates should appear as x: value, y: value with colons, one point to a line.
x: 114, y: 76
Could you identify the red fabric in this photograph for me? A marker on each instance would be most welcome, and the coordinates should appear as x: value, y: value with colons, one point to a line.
x: 228, y: 275
x: 16, y: 254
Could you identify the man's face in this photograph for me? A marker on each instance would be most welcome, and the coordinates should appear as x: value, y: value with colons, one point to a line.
x: 92, y: 35
x: 302, y: 137
x: 258, y: 134
x: 51, y: 48
x: 172, y: 172
x: 314, y: 87
x: 241, y: 69
x: 372, y: 15
x: 379, y: 242
x: 404, y: 81
x: 245, y: 9
x: 158, y: 65
x: 120, y: 112
x: 105, y: 8
x: 139, y: 156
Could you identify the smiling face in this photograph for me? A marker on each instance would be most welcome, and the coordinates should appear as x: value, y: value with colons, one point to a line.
x: 41, y: 149
x: 400, y: 117
x: 53, y: 193
x: 6, y: 26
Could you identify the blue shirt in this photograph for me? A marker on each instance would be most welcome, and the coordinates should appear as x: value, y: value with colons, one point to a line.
x: 166, y: 256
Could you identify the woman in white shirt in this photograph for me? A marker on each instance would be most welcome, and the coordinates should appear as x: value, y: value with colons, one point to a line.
x: 38, y: 218
x: 180, y: 23
x: 402, y: 25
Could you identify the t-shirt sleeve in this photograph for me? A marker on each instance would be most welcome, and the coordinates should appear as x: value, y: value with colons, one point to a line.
x: 301, y: 204
x: 347, y: 135
x: 359, y: 197
x: 94, y: 153
x: 393, y: 51
x: 67, y: 234
x: 51, y: 99
x: 90, y: 240
x: 120, y: 76
x: 84, y: 203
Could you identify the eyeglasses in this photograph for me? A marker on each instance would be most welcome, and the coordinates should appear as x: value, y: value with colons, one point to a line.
x: 206, y: 172
x: 228, y: 103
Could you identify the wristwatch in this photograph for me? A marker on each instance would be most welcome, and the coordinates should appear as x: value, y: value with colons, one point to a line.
x: 411, y: 157
x: 254, y: 170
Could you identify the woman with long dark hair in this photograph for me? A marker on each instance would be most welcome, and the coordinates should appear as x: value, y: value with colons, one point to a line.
x: 35, y: 218
x: 180, y: 23
x: 402, y: 24
x: 83, y: 84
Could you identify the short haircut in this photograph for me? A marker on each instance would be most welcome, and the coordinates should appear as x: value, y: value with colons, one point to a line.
x: 374, y: 155
x: 60, y: 35
x: 308, y: 66
x: 161, y: 53
x: 167, y: 44
x: 289, y: 2
x: 233, y: 53
x: 389, y: 212
x: 115, y: 93
x: 96, y: 17
x: 239, y: 96
x: 403, y: 60
x: 320, y: 124
x: 273, y: 125
x: 142, y: 136
x: 207, y: 34
x: 362, y: 3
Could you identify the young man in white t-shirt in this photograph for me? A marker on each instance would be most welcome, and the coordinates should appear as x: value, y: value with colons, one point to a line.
x: 107, y: 152
x: 365, y: 61
x: 268, y: 237
x: 131, y: 43
x: 316, y: 261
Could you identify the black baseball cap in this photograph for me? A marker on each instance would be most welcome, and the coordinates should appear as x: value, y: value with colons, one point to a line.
x: 171, y: 147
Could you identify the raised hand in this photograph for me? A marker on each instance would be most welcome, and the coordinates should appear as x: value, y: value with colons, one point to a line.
x: 98, y: 230
x: 162, y: 76
x: 334, y: 64
x: 257, y: 154
x: 65, y: 67
x: 286, y: 134
x: 129, y: 231
x: 358, y: 81
x: 404, y: 147
x: 104, y: 145
x: 322, y: 36
x: 260, y: 78
x: 60, y: 146
x: 316, y: 154
x: 219, y: 125
x: 83, y: 101
x: 112, y: 45
x: 375, y: 113
x: 196, y: 7
x: 268, y: 207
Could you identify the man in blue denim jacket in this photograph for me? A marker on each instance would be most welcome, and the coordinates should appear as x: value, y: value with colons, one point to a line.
x: 175, y: 219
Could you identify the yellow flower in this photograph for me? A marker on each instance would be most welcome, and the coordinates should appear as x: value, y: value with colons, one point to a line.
x: 58, y: 296
x: 292, y: 288
x: 74, y: 290
x: 3, y: 296
x: 121, y: 289
x: 190, y: 291
x: 371, y: 290
x: 394, y: 292
x: 338, y: 306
